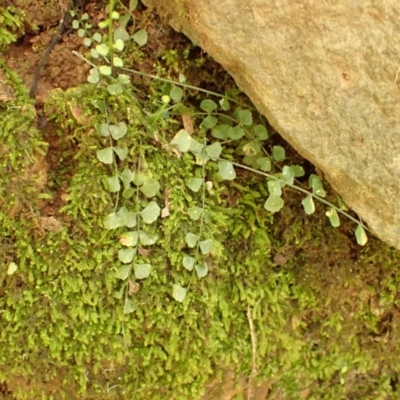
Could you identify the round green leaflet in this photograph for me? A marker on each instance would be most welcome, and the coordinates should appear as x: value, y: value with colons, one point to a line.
x: 188, y: 262
x: 178, y: 293
x: 140, y: 37
x: 142, y: 271
x: 126, y: 255
x: 274, y: 203
x: 191, y: 239
x: 150, y: 213
x: 226, y: 170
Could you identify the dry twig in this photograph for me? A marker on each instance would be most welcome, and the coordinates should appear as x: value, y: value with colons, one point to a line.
x: 253, y: 372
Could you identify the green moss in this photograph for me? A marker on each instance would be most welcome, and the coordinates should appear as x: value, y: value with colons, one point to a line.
x: 11, y: 25
x: 324, y: 312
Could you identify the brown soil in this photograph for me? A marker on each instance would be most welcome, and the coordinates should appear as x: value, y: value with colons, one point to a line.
x: 63, y: 69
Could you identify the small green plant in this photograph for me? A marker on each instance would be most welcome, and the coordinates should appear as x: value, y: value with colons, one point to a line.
x: 248, y: 139
x: 214, y: 132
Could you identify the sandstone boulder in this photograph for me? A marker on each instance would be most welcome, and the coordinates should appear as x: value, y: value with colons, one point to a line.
x: 327, y: 76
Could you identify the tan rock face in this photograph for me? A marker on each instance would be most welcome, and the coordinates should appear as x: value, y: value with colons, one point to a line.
x: 326, y: 73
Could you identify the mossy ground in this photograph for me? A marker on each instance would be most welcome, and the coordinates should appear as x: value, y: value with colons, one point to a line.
x: 289, y: 302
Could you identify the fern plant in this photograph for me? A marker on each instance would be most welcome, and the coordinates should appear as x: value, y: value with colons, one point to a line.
x: 219, y: 131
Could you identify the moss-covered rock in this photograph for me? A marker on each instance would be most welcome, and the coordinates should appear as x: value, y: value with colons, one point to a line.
x: 289, y: 304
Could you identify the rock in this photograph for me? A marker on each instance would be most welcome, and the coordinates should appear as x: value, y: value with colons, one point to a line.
x: 327, y: 76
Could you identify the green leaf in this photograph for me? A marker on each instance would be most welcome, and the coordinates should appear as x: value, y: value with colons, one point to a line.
x: 142, y: 271
x: 115, y: 89
x: 214, y: 150
x: 129, y: 239
x: 308, y: 204
x: 94, y: 54
x: 120, y: 293
x: 245, y: 117
x: 147, y: 239
x: 140, y: 37
x: 278, y: 153
x: 176, y: 94
x: 316, y: 185
x: 201, y: 270
x: 124, y: 79
x: 188, y: 262
x: 97, y: 37
x: 251, y: 148
x: 119, y: 44
x: 133, y: 4
x: 208, y: 105
x: 361, y: 235
x: 182, y: 141
x: 126, y: 177
x: 102, y: 129
x: 105, y: 155
x: 195, y: 213
x: 181, y: 78
x: 298, y: 171
x: 341, y: 203
x: 105, y: 70
x: 178, y: 293
x: 274, y: 203
x: 150, y: 213
x: 224, y: 103
x: 94, y: 76
x: 112, y: 221
x: 221, y: 131
x: 12, y: 267
x: 333, y: 217
x: 102, y: 49
x: 113, y: 184
x: 128, y: 218
x: 99, y: 105
x: 261, y: 132
x: 104, y: 24
x: 123, y: 272
x: 44, y: 196
x: 264, y: 163
x: 274, y: 187
x: 235, y: 133
x: 150, y: 188
x: 120, y: 32
x: 191, y: 240
x: 118, y: 62
x: 165, y: 99
x: 87, y: 41
x: 195, y: 146
x: 128, y: 193
x: 206, y: 246
x: 121, y: 151
x: 128, y: 306
x: 287, y: 175
x: 226, y: 170
x: 194, y: 184
x: 118, y: 131
x: 201, y: 159
x: 252, y: 161
x: 126, y: 255
x: 209, y: 122
x: 139, y: 177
